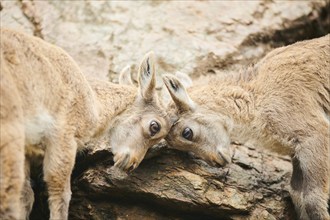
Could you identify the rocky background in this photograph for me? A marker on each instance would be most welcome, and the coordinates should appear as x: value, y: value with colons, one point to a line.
x: 200, y: 38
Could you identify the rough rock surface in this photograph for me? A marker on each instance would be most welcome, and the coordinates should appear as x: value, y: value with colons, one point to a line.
x: 194, y: 37
x: 174, y: 185
x: 201, y: 38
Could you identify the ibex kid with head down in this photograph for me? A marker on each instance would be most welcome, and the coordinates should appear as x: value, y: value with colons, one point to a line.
x: 281, y: 103
x: 47, y: 104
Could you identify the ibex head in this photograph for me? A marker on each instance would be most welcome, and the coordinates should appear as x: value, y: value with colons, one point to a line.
x: 196, y: 129
x: 141, y: 126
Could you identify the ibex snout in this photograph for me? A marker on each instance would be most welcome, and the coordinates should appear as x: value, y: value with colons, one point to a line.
x: 223, y: 156
x: 220, y: 157
x: 128, y: 161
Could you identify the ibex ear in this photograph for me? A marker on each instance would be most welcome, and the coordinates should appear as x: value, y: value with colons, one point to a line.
x: 125, y: 76
x: 178, y: 93
x: 147, y: 80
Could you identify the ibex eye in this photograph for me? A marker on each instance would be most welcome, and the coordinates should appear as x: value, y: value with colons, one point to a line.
x: 187, y: 134
x: 154, y: 128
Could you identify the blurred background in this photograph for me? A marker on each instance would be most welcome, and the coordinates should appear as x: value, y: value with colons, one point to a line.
x: 195, y: 37
x: 199, y: 38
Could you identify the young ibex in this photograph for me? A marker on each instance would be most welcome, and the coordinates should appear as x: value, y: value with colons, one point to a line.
x: 282, y: 103
x: 48, y: 105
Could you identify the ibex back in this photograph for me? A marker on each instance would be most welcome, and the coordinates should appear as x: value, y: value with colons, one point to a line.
x: 47, y: 105
x: 281, y: 103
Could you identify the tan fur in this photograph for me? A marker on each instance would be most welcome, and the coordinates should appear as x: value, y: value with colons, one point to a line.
x: 125, y: 76
x: 281, y: 103
x: 48, y: 107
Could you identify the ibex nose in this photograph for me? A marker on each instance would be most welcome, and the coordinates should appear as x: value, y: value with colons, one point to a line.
x: 226, y: 156
x: 125, y: 162
x: 121, y: 161
x: 132, y: 167
x: 223, y: 157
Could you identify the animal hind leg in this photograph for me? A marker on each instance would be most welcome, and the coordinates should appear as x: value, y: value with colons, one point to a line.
x: 296, y: 190
x: 11, y: 169
x: 27, y: 196
x: 314, y: 157
x: 58, y: 164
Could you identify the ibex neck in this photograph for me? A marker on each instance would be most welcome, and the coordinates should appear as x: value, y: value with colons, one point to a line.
x: 233, y: 101
x: 113, y: 99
